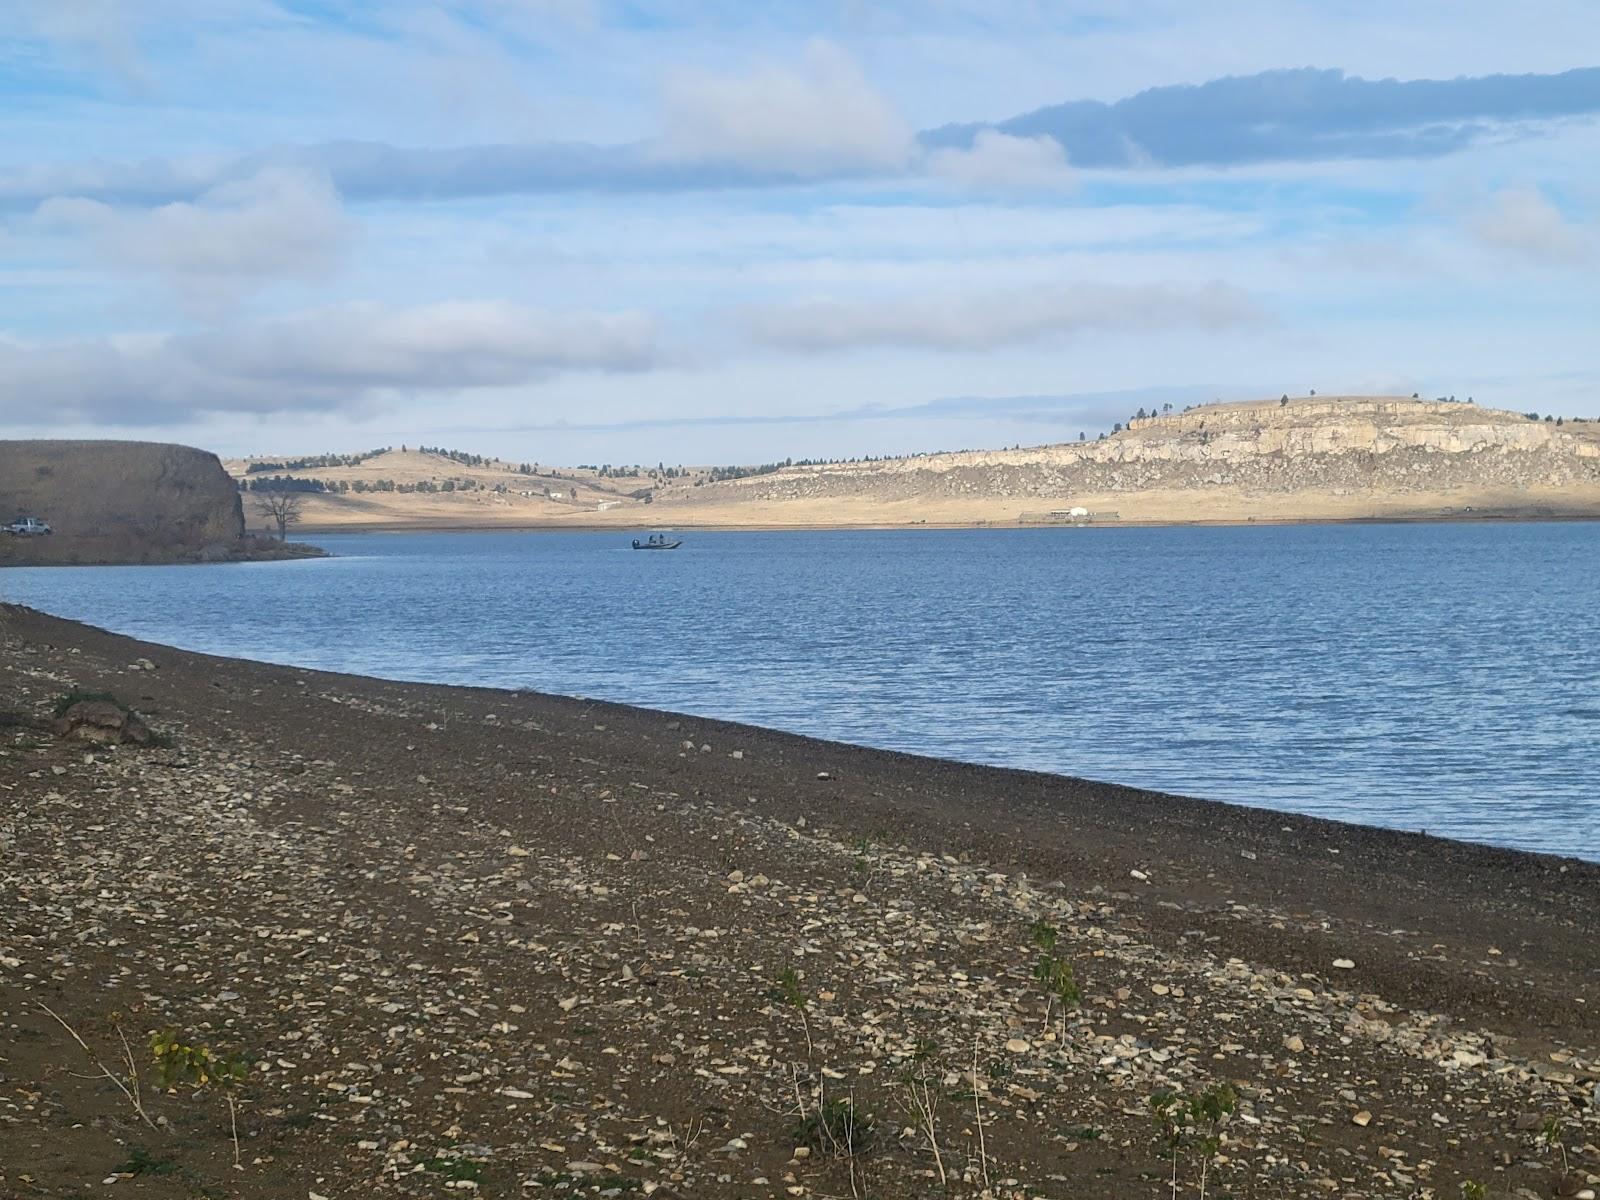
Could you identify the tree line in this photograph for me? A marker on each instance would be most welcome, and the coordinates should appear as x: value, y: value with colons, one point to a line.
x: 315, y: 462
x: 293, y: 483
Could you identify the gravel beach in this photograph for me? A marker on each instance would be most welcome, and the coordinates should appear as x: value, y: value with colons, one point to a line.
x: 471, y: 942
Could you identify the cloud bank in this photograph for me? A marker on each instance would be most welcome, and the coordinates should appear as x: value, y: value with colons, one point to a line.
x: 1299, y: 115
x: 999, y: 162
x: 820, y: 119
x: 347, y: 358
x: 985, y: 321
x: 279, y: 223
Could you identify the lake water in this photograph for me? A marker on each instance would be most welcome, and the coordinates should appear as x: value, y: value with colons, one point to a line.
x: 1444, y: 677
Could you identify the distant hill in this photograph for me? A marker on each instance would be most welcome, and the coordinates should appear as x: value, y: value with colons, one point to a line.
x: 438, y: 488
x: 113, y: 502
x: 1305, y: 458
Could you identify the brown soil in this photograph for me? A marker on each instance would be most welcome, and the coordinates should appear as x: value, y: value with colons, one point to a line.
x: 507, y: 944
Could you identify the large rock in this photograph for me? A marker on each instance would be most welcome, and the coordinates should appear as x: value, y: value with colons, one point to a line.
x: 104, y: 723
x: 117, y: 501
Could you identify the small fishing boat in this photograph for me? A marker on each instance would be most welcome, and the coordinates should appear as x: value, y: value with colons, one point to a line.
x: 657, y: 541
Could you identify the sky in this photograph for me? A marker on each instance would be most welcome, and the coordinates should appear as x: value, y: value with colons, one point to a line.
x: 709, y: 231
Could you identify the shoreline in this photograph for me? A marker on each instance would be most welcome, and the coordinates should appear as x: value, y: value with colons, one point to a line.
x: 1236, y: 812
x: 901, y: 887
x: 1239, y: 812
x: 424, y: 526
x: 251, y: 549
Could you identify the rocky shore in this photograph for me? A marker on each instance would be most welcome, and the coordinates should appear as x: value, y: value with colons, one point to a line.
x: 502, y: 944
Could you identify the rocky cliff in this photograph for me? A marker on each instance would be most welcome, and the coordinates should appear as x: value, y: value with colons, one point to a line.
x: 119, y: 502
x: 1386, y: 447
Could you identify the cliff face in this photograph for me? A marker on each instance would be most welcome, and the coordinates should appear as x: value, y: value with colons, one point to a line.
x: 1334, y: 445
x: 118, y: 502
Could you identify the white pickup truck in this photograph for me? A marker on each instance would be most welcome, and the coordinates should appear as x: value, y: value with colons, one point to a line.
x: 27, y: 527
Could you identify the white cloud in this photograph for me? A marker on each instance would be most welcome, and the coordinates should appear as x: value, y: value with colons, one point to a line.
x: 457, y: 344
x: 1522, y: 222
x: 100, y: 31
x: 282, y: 223
x: 821, y: 117
x: 984, y: 321
x: 999, y: 162
x: 150, y: 180
x: 346, y: 358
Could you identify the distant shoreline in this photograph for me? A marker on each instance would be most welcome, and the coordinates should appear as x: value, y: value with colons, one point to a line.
x: 425, y: 526
x: 66, y: 551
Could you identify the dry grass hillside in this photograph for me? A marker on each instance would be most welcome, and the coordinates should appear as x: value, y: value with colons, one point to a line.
x: 410, y: 487
x: 1298, y: 459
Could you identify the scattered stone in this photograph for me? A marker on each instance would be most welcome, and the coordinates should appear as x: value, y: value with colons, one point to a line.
x: 406, y: 976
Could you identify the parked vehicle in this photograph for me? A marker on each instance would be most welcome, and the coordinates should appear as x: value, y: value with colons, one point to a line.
x: 27, y: 527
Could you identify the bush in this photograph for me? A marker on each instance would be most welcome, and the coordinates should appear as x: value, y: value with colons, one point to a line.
x: 839, y: 1126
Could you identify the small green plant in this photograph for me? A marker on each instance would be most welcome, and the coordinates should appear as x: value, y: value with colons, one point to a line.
x: 180, y: 1064
x: 1551, y: 1134
x: 142, y: 1162
x: 454, y: 1169
x: 788, y: 992
x: 1193, y: 1124
x: 838, y: 1126
x: 1471, y: 1189
x: 1054, y: 975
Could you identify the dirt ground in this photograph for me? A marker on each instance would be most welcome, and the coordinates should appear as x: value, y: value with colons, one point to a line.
x: 504, y: 944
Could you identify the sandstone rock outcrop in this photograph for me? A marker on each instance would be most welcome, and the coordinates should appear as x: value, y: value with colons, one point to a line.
x: 119, y: 501
x: 1388, y: 446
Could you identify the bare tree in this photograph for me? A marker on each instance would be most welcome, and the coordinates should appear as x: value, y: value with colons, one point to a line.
x: 283, y: 508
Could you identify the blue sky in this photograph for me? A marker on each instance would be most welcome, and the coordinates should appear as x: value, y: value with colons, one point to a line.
x: 585, y: 230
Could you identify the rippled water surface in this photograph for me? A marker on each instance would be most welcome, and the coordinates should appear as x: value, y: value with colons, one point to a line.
x: 1444, y: 677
